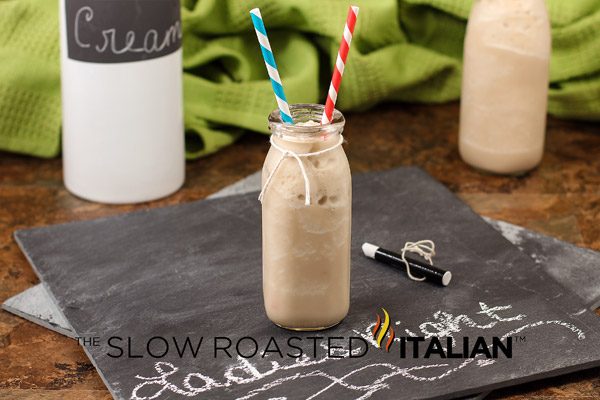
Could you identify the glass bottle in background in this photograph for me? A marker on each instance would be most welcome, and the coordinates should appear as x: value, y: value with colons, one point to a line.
x: 306, y: 248
x: 505, y: 85
x: 121, y: 73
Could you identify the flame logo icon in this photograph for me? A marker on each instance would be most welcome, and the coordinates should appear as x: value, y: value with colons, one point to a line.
x: 383, y: 329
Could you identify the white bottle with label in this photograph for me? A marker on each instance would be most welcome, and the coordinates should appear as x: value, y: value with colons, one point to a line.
x: 505, y: 85
x: 121, y: 70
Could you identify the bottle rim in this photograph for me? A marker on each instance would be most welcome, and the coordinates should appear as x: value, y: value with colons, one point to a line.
x: 304, y: 112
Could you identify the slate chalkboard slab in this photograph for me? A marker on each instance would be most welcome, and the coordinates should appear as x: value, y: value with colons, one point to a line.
x: 576, y: 268
x: 194, y: 270
x: 36, y: 305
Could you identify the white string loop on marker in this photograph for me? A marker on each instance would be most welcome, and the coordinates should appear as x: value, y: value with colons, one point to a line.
x: 424, y: 248
x: 298, y: 157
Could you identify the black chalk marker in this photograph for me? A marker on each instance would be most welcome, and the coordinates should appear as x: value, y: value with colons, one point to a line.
x: 418, y: 268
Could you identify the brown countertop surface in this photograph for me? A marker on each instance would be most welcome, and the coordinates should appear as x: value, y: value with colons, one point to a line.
x: 560, y: 198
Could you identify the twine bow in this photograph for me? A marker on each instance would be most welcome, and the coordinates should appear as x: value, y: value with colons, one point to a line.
x: 424, y: 248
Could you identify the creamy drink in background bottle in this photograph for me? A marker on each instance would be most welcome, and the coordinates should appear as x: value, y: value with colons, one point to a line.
x: 306, y: 248
x: 505, y: 85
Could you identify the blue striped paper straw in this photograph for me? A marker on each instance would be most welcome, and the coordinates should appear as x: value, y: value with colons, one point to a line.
x: 265, y: 47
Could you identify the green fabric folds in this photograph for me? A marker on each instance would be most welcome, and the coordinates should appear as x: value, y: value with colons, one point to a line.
x: 403, y: 50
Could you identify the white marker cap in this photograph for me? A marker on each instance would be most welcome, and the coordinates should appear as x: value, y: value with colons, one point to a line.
x: 369, y: 249
x: 446, y: 278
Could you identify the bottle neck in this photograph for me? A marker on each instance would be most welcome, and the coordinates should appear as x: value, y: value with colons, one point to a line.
x: 307, y: 132
x: 323, y: 141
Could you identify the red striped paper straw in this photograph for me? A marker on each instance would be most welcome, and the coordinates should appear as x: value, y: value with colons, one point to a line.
x: 340, y: 62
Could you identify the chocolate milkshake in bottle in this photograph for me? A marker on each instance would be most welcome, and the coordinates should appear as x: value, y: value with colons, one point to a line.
x: 306, y: 219
x: 505, y: 85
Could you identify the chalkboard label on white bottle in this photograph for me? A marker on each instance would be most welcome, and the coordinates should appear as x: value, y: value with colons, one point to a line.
x: 115, y: 31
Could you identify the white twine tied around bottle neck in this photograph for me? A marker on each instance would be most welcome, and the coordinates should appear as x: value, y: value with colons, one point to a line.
x: 424, y: 248
x: 298, y: 157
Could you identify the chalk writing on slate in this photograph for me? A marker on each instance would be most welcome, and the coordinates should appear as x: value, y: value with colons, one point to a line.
x: 289, y: 375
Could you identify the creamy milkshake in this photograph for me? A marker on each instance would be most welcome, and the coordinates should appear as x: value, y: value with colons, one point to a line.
x: 306, y: 248
x: 505, y: 85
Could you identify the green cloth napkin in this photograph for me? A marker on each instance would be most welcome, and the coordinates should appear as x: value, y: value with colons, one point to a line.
x: 403, y: 50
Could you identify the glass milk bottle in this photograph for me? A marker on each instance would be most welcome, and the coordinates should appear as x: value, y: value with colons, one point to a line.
x: 306, y: 217
x: 505, y: 85
x: 121, y: 75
